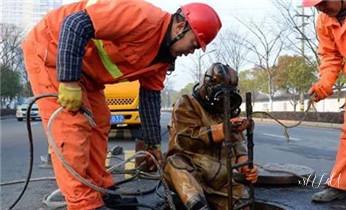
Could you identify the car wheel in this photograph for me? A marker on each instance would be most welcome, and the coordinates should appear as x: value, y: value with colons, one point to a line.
x: 20, y: 119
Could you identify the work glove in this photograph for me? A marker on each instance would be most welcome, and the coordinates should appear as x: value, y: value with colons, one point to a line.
x: 319, y: 91
x: 70, y: 96
x: 146, y: 163
x: 250, y: 174
x: 238, y: 125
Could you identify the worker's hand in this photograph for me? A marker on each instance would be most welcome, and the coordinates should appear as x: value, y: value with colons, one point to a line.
x: 146, y: 163
x: 239, y: 124
x: 70, y: 95
x: 319, y: 91
x: 250, y: 174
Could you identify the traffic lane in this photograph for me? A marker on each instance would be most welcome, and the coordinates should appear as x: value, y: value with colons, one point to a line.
x: 15, y: 164
x: 310, y: 146
x: 15, y: 149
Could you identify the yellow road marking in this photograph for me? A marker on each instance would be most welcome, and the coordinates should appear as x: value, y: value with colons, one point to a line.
x: 129, y: 165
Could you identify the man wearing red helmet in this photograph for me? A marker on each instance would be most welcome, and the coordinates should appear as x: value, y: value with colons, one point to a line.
x: 331, y: 33
x: 78, y: 48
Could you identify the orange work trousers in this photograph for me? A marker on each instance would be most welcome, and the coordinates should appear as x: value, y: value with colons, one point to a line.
x: 83, y: 146
x: 337, y: 177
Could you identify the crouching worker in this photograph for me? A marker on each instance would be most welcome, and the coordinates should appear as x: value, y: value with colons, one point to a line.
x: 195, y: 166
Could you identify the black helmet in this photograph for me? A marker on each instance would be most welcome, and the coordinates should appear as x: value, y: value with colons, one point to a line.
x: 210, y: 93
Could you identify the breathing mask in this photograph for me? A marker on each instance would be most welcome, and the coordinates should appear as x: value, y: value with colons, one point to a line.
x: 210, y: 93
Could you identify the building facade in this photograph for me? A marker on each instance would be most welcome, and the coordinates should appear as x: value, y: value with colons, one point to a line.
x: 25, y: 13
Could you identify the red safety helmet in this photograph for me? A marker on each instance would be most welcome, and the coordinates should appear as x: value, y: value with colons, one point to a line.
x: 203, y: 20
x: 310, y: 3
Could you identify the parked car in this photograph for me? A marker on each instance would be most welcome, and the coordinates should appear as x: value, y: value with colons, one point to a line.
x: 21, y: 111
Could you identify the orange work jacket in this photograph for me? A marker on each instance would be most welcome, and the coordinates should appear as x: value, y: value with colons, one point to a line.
x: 131, y: 32
x: 332, y: 48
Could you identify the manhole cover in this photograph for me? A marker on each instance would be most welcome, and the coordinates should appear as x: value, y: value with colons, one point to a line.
x: 282, y: 174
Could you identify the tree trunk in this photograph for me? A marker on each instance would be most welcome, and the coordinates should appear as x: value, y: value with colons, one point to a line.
x: 270, y: 90
x: 301, y: 101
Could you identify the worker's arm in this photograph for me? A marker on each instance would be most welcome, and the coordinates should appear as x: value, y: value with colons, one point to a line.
x: 331, y: 60
x: 149, y: 110
x: 190, y: 135
x: 75, y: 33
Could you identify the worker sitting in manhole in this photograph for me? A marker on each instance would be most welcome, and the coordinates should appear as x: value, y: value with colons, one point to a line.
x: 195, y: 165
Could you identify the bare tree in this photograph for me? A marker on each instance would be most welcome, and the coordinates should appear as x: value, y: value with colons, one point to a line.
x: 228, y: 48
x: 200, y: 61
x: 11, y: 53
x: 266, y: 46
x: 300, y: 28
x: 301, y: 36
x: 231, y: 49
x: 11, y: 62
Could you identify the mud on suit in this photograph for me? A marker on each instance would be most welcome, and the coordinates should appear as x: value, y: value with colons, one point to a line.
x: 129, y: 32
x: 332, y: 52
x: 195, y: 165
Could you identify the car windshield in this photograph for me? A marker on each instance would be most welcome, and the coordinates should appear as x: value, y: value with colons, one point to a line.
x: 26, y: 103
x: 27, y: 100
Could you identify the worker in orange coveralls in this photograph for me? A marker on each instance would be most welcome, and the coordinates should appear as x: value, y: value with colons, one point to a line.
x: 331, y: 33
x: 196, y: 160
x: 78, y: 48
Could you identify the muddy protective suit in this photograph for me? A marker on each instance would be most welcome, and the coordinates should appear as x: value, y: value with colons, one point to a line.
x: 195, y: 165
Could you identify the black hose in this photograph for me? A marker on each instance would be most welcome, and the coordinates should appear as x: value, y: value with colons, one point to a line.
x: 31, y: 151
